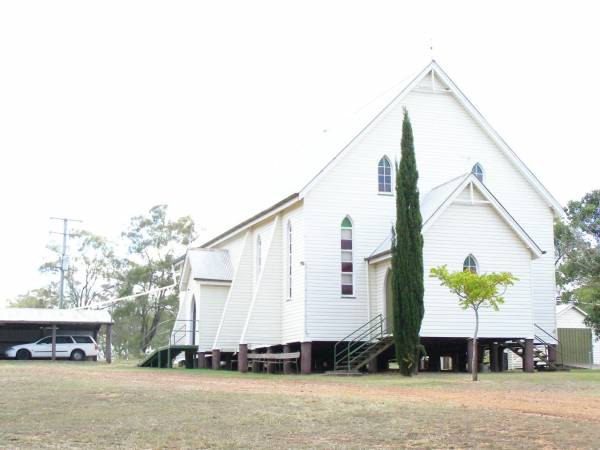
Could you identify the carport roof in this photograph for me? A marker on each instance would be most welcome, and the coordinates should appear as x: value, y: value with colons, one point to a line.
x: 40, y: 315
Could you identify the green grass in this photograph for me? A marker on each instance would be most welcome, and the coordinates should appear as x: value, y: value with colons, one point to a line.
x: 71, y: 405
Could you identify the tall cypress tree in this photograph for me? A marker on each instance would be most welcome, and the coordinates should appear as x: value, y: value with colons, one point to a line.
x: 407, y: 257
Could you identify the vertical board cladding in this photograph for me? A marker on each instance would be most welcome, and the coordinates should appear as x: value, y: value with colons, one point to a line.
x: 210, y: 300
x: 448, y: 142
x: 575, y: 345
x: 263, y: 323
x: 238, y: 300
x: 572, y: 318
x: 478, y: 230
x: 292, y: 319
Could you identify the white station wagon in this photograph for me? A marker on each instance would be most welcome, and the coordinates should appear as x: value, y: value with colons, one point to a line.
x: 75, y: 347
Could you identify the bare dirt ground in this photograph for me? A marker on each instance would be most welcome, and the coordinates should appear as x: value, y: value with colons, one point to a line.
x: 66, y: 405
x: 458, y: 391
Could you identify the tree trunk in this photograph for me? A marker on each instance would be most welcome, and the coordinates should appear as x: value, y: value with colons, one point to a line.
x: 475, y: 356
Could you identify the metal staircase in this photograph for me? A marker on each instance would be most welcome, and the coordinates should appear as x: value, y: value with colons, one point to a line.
x: 542, y: 342
x: 163, y: 356
x: 361, y: 346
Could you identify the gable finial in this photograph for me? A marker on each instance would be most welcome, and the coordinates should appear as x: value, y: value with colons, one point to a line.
x: 431, y: 48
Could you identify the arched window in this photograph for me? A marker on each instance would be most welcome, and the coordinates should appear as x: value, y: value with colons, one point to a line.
x: 347, y: 261
x: 477, y: 170
x: 289, y: 261
x: 470, y: 264
x: 384, y: 175
x: 258, y: 256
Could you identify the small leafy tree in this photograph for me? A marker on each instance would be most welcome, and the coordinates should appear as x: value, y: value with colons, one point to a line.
x: 475, y: 291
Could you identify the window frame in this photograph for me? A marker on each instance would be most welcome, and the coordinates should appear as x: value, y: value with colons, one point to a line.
x: 382, y: 164
x: 477, y: 167
x: 469, y: 267
x: 347, y: 251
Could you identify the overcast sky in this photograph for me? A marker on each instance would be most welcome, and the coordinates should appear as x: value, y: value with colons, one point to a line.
x: 108, y: 108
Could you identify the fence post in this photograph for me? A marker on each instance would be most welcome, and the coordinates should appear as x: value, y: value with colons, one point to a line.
x: 108, y: 344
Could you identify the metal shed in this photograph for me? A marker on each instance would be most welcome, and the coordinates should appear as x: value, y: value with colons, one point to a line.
x: 24, y: 325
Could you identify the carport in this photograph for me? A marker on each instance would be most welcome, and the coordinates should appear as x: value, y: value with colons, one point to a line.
x: 25, y: 325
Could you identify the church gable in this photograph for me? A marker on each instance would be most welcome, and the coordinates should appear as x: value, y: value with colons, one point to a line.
x: 450, y: 137
x: 472, y: 193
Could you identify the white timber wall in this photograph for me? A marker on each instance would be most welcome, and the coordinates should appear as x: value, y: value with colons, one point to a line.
x: 209, y: 309
x: 478, y: 230
x: 270, y: 316
x: 234, y: 246
x: 263, y: 323
x: 263, y: 229
x: 377, y: 279
x: 448, y: 142
x: 292, y: 320
x: 460, y: 231
x: 571, y: 318
x: 238, y: 300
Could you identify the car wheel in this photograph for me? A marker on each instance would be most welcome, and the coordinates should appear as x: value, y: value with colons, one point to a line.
x: 23, y: 354
x: 77, y: 355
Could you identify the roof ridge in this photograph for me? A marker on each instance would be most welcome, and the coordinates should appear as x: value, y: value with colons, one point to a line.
x: 462, y: 176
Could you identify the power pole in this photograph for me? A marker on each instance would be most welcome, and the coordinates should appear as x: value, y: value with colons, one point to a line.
x: 63, y: 258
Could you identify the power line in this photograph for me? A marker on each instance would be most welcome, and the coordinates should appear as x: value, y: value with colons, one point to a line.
x: 63, y: 256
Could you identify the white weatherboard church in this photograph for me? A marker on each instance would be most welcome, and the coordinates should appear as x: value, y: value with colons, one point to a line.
x: 312, y: 269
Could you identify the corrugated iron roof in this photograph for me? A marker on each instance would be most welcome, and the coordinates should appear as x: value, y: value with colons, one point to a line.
x: 436, y: 198
x: 41, y: 315
x: 429, y: 204
x: 210, y: 264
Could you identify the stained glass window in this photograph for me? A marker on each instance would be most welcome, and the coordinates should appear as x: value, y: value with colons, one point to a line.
x: 347, y: 261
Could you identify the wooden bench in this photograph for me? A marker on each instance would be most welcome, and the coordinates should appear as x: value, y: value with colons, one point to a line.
x: 266, y: 360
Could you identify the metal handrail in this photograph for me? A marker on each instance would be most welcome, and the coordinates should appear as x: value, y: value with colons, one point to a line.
x: 541, y: 329
x: 547, y: 344
x: 357, y: 341
x: 173, y: 331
